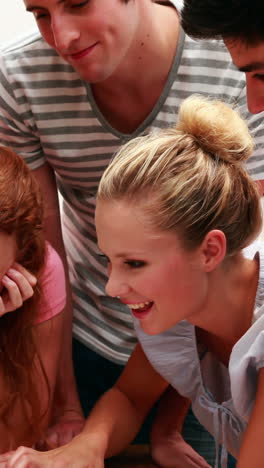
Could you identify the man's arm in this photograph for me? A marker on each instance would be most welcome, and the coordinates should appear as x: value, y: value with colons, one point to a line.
x: 67, y: 414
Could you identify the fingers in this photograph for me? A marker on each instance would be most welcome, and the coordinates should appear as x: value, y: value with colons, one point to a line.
x: 173, y: 447
x: 198, y: 463
x: 18, y: 286
x: 23, y: 457
x: 60, y: 434
x: 31, y: 278
x: 71, y: 455
x: 52, y: 441
x: 7, y: 459
x: 195, y: 460
x: 4, y: 459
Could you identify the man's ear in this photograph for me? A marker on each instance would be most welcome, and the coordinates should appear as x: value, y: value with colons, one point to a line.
x: 213, y: 249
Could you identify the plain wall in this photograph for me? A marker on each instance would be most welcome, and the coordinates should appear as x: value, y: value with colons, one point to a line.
x: 14, y: 20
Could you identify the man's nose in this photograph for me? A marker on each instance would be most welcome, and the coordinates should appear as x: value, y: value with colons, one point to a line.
x: 65, y: 33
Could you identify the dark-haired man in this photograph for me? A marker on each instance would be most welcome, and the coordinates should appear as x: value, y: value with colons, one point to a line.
x: 240, y: 23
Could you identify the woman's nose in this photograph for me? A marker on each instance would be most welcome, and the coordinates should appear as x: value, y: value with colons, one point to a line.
x: 116, y: 286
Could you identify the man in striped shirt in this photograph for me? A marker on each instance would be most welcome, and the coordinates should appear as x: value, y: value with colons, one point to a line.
x: 100, y: 73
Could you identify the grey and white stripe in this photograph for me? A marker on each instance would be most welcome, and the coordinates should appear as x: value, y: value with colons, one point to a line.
x: 47, y: 113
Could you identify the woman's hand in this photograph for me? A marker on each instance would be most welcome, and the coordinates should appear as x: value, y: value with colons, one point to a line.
x: 176, y: 452
x: 62, y: 432
x: 168, y: 448
x: 77, y: 454
x: 17, y: 287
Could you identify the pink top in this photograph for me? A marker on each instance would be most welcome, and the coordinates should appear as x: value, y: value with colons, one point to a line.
x: 53, y: 294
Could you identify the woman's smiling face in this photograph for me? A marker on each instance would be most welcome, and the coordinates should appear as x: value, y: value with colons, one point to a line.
x: 161, y: 282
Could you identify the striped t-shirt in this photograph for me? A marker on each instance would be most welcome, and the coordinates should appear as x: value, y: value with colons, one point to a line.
x: 47, y: 113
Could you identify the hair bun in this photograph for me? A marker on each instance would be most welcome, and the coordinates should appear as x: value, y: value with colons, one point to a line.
x: 216, y: 127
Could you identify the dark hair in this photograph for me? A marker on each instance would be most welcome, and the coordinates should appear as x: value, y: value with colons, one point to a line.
x: 21, y: 215
x: 236, y: 19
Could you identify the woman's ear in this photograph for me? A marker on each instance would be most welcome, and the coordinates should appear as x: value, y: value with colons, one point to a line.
x: 213, y: 249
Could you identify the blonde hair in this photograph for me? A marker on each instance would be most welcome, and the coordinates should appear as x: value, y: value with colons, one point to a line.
x: 191, y: 178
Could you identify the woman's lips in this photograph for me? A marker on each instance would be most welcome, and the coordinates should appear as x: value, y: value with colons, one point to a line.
x: 140, y: 314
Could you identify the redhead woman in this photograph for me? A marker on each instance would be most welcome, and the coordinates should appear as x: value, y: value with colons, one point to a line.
x: 32, y: 298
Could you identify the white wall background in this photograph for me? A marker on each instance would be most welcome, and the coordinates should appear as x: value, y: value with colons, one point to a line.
x: 14, y: 20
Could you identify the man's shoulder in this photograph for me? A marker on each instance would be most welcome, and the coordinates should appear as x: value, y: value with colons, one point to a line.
x: 208, y: 46
x: 21, y: 43
x: 28, y: 45
x: 211, y: 55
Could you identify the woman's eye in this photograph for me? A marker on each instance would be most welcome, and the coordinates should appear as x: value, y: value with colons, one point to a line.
x: 135, y: 263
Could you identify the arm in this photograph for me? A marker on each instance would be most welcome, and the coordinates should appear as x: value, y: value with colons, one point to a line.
x: 167, y: 443
x: 67, y: 414
x: 112, y: 424
x: 251, y: 452
x: 120, y: 413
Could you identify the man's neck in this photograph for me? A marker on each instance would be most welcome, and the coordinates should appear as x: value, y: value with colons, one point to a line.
x: 129, y: 95
x: 151, y: 55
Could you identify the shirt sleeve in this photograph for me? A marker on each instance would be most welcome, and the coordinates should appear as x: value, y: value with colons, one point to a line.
x: 53, y: 290
x: 246, y: 359
x: 18, y: 128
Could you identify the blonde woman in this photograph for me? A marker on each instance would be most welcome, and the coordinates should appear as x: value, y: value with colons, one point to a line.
x: 176, y: 211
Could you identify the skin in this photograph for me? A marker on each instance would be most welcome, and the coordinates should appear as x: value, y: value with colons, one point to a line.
x: 250, y: 59
x: 48, y: 338
x: 126, y: 36
x: 107, y: 431
x: 85, y: 34
x: 118, y: 415
x: 109, y: 43
x: 150, y: 265
x: 16, y: 283
x: 100, y: 39
x: 144, y: 265
x: 16, y: 286
x: 127, y: 42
